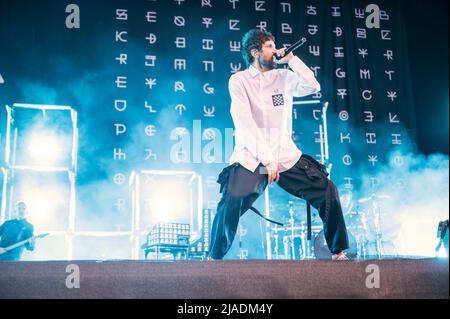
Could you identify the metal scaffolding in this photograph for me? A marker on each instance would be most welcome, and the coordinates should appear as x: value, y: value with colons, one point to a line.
x: 11, y: 168
x: 194, y: 184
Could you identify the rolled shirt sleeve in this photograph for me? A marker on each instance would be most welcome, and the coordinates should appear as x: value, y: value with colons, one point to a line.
x: 301, y: 80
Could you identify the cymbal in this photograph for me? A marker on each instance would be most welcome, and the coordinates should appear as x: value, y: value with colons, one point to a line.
x: 301, y: 218
x: 297, y: 227
x: 355, y: 213
x: 283, y: 206
x: 281, y: 209
x: 373, y: 197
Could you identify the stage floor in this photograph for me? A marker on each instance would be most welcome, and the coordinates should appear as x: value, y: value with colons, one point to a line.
x: 252, y: 279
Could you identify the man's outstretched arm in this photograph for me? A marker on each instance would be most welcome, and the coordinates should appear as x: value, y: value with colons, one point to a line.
x: 301, y: 79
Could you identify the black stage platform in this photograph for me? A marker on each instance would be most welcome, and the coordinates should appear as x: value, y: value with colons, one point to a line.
x: 398, y: 278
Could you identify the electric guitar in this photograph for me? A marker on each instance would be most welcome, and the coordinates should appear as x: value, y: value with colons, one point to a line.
x: 23, y: 242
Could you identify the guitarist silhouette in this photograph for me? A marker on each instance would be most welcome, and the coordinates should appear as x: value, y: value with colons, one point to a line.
x: 14, y: 231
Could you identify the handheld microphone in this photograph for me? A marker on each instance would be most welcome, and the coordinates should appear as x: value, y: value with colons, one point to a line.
x: 293, y: 47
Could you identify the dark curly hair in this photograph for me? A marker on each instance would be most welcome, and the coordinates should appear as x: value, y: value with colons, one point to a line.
x: 254, y: 39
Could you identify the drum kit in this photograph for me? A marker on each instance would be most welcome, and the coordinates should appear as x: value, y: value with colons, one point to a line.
x: 364, y: 229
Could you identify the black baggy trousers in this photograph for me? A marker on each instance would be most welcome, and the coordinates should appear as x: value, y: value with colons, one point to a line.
x: 307, y: 179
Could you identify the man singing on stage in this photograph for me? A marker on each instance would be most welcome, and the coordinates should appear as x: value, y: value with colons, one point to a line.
x: 261, y: 108
x: 14, y: 231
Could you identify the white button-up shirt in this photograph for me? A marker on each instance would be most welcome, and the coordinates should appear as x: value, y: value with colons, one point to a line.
x: 261, y: 108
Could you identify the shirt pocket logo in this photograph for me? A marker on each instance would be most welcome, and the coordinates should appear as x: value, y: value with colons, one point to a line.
x: 277, y: 100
